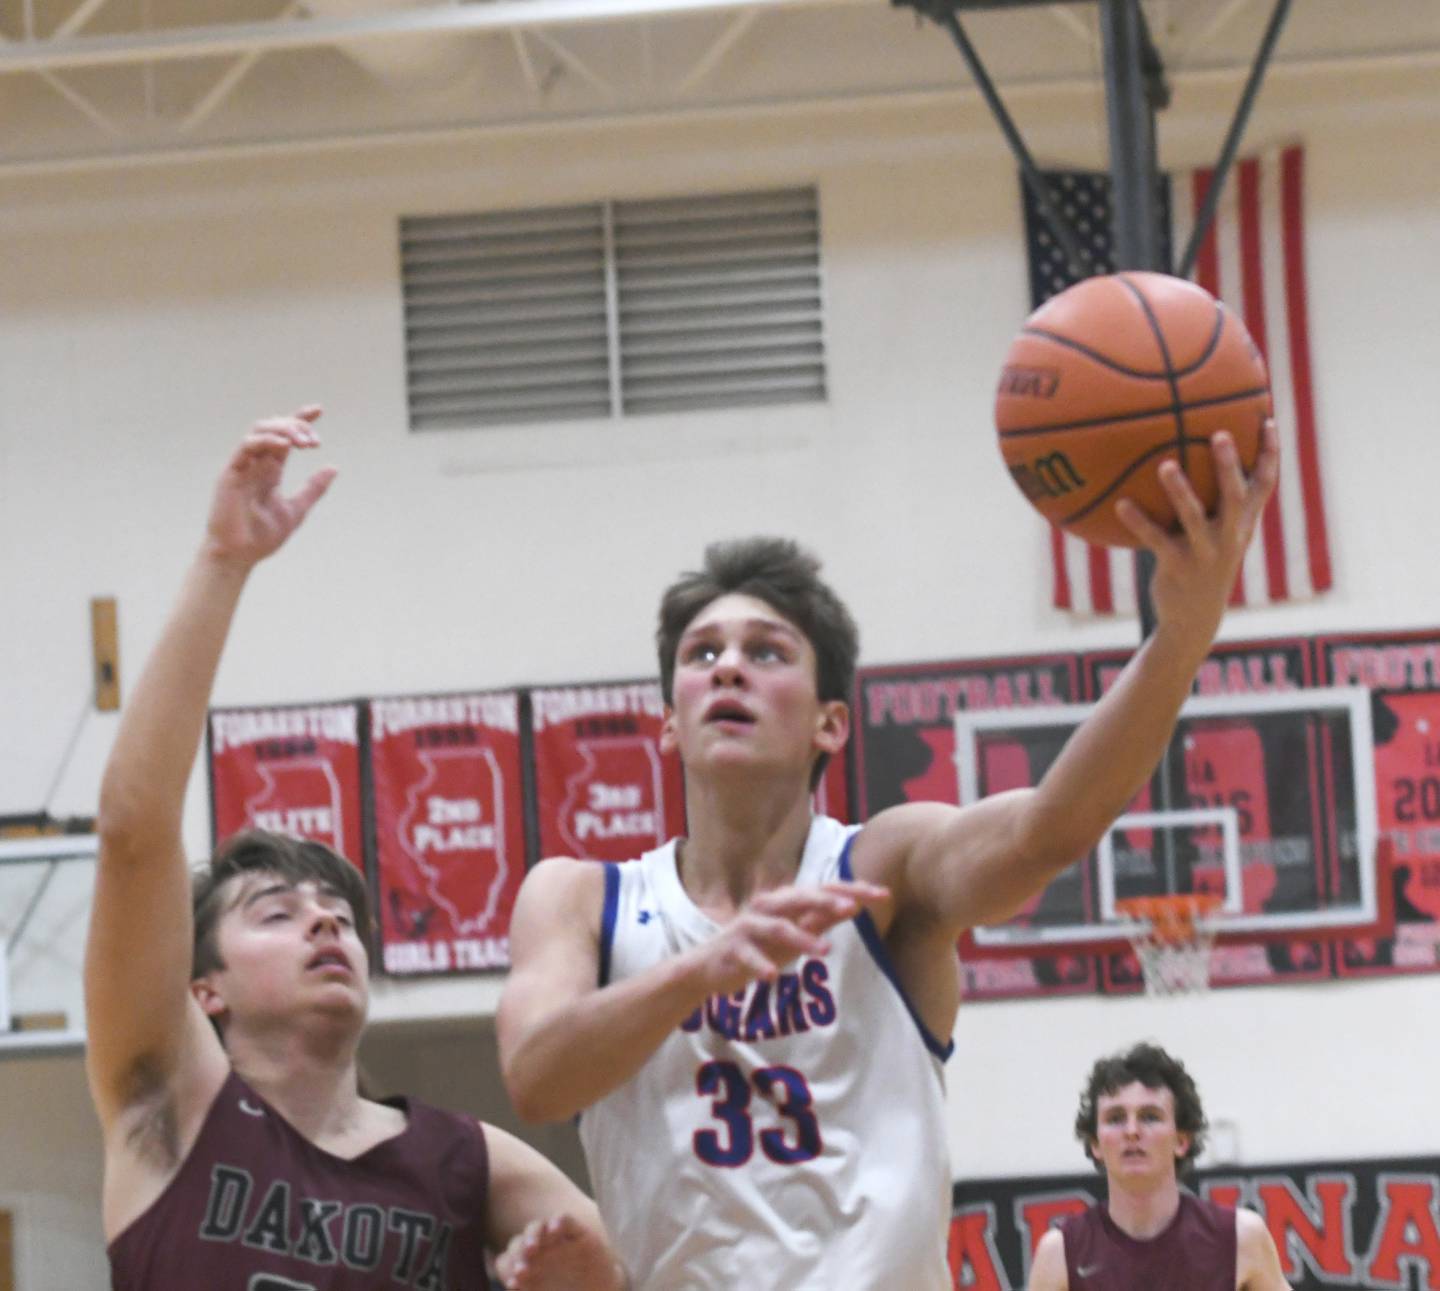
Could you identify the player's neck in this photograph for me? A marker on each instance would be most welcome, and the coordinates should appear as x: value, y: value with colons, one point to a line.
x: 738, y: 844
x: 309, y: 1076
x: 1143, y: 1210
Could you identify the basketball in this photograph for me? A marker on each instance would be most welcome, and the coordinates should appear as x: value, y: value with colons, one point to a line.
x: 1114, y: 376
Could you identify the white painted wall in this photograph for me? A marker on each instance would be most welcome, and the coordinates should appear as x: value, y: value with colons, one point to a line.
x: 146, y: 315
x: 50, y: 1175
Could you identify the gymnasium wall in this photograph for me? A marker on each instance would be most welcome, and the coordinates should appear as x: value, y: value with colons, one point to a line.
x: 147, y: 314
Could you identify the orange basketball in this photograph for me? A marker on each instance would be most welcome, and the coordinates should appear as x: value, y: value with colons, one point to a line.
x: 1114, y: 376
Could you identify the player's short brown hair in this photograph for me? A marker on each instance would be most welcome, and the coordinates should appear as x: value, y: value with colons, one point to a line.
x: 1155, y: 1069
x: 787, y: 578
x: 257, y: 851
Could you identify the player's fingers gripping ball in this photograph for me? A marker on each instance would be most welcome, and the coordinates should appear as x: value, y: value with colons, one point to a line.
x: 1114, y: 376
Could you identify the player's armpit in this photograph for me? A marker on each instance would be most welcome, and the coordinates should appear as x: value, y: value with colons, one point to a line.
x: 148, y: 1045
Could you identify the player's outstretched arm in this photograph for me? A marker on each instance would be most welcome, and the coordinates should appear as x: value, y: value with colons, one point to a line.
x: 1257, y: 1260
x: 554, y: 1008
x: 547, y: 1231
x: 1048, y: 1273
x: 143, y: 1029
x: 982, y: 863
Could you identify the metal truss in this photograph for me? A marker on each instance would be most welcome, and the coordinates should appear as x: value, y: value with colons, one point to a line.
x: 97, y: 80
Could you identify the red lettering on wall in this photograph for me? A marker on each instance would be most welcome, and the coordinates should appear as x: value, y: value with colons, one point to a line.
x: 1228, y: 1195
x: 1408, y: 1232
x: 974, y: 1264
x: 1316, y: 1228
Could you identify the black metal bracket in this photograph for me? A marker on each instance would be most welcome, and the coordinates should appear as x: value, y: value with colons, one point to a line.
x: 1228, y: 150
x: 1136, y: 87
x: 946, y: 14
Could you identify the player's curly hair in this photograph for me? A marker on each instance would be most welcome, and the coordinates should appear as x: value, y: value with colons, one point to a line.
x: 260, y: 851
x: 1155, y: 1069
x: 787, y: 578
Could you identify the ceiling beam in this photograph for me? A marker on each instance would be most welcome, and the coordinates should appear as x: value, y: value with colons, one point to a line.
x: 914, y: 97
x: 527, y: 64
x: 82, y: 105
x: 225, y: 85
x: 230, y: 39
x: 1212, y: 29
x: 575, y: 63
x: 1067, y: 18
x: 713, y: 56
x: 79, y: 18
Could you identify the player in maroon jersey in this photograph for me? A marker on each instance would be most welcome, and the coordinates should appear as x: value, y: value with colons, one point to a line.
x: 239, y: 1152
x: 1142, y: 1123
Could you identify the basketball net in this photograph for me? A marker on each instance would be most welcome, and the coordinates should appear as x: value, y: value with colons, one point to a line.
x: 1172, y: 937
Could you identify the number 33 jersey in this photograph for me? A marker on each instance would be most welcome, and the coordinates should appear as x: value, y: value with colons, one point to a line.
x: 790, y: 1136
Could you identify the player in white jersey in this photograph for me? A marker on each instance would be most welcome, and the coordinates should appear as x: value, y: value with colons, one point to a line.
x: 753, y: 1019
x: 758, y: 1065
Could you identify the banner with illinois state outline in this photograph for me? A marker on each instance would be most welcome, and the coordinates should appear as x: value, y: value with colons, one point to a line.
x: 293, y: 770
x: 448, y: 817
x: 603, y: 789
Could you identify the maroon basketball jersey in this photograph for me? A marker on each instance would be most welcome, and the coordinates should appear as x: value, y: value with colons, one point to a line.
x: 1195, y: 1253
x: 257, y: 1207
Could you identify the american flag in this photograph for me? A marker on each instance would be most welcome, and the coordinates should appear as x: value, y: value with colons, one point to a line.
x: 1254, y: 260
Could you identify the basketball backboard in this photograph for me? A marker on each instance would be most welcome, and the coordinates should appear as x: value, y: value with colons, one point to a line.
x: 1267, y: 800
x: 46, y: 883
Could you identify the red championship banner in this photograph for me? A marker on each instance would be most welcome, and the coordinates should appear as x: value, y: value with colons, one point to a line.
x: 1402, y: 671
x: 449, y: 840
x: 603, y: 789
x: 292, y: 770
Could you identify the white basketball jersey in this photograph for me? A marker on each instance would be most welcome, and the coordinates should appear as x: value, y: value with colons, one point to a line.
x: 790, y: 1137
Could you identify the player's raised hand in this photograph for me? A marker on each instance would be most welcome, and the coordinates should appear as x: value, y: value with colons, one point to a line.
x: 777, y: 927
x: 1196, y: 568
x: 250, y: 518
x: 558, y: 1254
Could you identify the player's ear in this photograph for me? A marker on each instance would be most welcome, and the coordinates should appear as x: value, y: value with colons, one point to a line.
x: 668, y: 742
x: 1182, y: 1145
x: 211, y: 1002
x: 832, y: 726
x: 1095, y: 1149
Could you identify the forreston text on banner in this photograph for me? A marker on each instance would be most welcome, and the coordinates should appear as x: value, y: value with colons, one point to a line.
x: 293, y: 770
x: 603, y: 789
x: 449, y: 833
